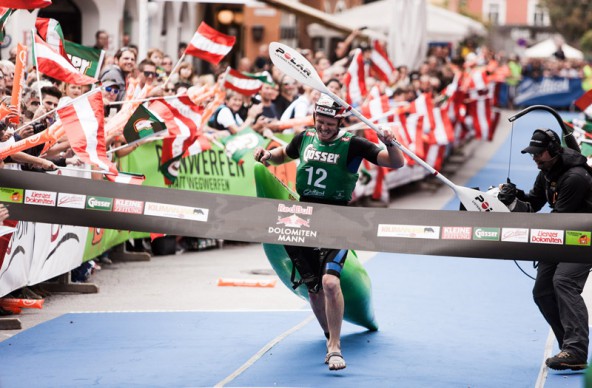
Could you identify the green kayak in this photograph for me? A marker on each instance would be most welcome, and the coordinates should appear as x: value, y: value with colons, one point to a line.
x: 355, y: 282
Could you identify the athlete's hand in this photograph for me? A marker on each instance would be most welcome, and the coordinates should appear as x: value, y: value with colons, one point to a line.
x: 386, y: 135
x: 262, y: 155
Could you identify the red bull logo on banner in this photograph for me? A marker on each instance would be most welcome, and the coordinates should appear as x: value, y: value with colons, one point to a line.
x: 293, y: 221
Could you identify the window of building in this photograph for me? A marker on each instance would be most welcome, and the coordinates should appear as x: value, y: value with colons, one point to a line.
x: 494, y: 11
x: 537, y: 14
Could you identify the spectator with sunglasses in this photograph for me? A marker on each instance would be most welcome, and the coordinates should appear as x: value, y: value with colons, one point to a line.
x: 124, y: 65
x: 147, y: 75
x: 110, y: 91
x: 169, y: 89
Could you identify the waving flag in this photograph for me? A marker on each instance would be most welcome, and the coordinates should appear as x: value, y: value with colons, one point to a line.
x: 84, y: 124
x: 380, y: 64
x: 127, y: 178
x: 242, y: 83
x: 51, y: 32
x: 182, y: 134
x: 242, y: 143
x: 4, y: 15
x: 51, y: 63
x: 584, y: 103
x: 355, y: 80
x: 25, y: 4
x: 143, y: 123
x: 209, y: 44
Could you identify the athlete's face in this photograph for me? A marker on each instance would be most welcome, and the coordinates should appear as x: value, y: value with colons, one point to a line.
x: 327, y: 127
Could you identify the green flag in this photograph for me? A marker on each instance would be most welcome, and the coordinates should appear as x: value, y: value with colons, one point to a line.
x: 4, y: 14
x: 87, y: 60
x: 242, y: 143
x: 143, y: 123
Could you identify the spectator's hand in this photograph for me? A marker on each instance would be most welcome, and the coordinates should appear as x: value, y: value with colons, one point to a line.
x: 255, y: 110
x: 25, y: 132
x: 39, y: 112
x: 74, y: 161
x: 261, y: 123
x: 507, y: 194
x: 47, y: 165
x: 268, y: 133
x: 3, y: 212
x: 273, y: 124
x: 12, y: 114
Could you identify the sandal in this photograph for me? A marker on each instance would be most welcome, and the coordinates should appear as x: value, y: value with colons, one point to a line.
x: 335, y: 361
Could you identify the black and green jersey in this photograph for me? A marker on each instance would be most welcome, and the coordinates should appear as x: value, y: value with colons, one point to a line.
x: 328, y: 172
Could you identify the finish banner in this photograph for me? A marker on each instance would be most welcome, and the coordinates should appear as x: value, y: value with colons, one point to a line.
x: 39, y: 197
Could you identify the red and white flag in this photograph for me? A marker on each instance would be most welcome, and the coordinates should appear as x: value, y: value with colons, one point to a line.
x: 422, y: 105
x: 127, y: 178
x: 182, y: 134
x: 380, y: 64
x: 377, y: 108
x: 355, y: 80
x: 194, y: 114
x: 51, y: 63
x: 51, y: 32
x: 241, y: 83
x: 209, y: 44
x: 481, y: 113
x: 25, y: 4
x: 584, y: 103
x: 413, y: 127
x: 443, y: 131
x: 84, y: 124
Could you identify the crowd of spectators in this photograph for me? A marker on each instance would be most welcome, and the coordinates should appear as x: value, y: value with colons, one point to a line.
x: 281, y: 97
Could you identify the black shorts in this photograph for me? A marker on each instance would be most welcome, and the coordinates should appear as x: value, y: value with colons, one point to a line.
x: 313, y: 263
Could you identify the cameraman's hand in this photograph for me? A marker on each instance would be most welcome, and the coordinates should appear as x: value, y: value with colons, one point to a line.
x: 507, y: 194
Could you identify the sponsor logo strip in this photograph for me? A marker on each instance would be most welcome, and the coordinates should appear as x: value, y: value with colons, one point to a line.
x: 457, y: 232
x: 578, y: 238
x: 546, y: 236
x: 176, y: 211
x: 99, y: 203
x: 488, y: 234
x: 409, y: 231
x: 515, y: 235
x: 128, y: 206
x: 8, y: 194
x: 74, y: 201
x: 43, y: 198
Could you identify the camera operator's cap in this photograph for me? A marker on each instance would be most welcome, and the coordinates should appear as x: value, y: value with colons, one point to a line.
x: 538, y: 143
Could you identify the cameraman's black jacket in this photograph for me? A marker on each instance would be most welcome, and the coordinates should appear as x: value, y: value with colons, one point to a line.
x: 567, y: 187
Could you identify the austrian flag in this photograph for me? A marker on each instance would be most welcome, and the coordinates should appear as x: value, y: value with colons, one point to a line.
x: 237, y: 81
x: 51, y: 63
x: 84, y: 122
x: 209, y: 44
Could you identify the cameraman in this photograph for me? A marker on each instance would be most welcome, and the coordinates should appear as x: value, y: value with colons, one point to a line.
x: 565, y: 183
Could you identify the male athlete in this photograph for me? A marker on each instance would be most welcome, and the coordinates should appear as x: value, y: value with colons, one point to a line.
x: 327, y: 173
